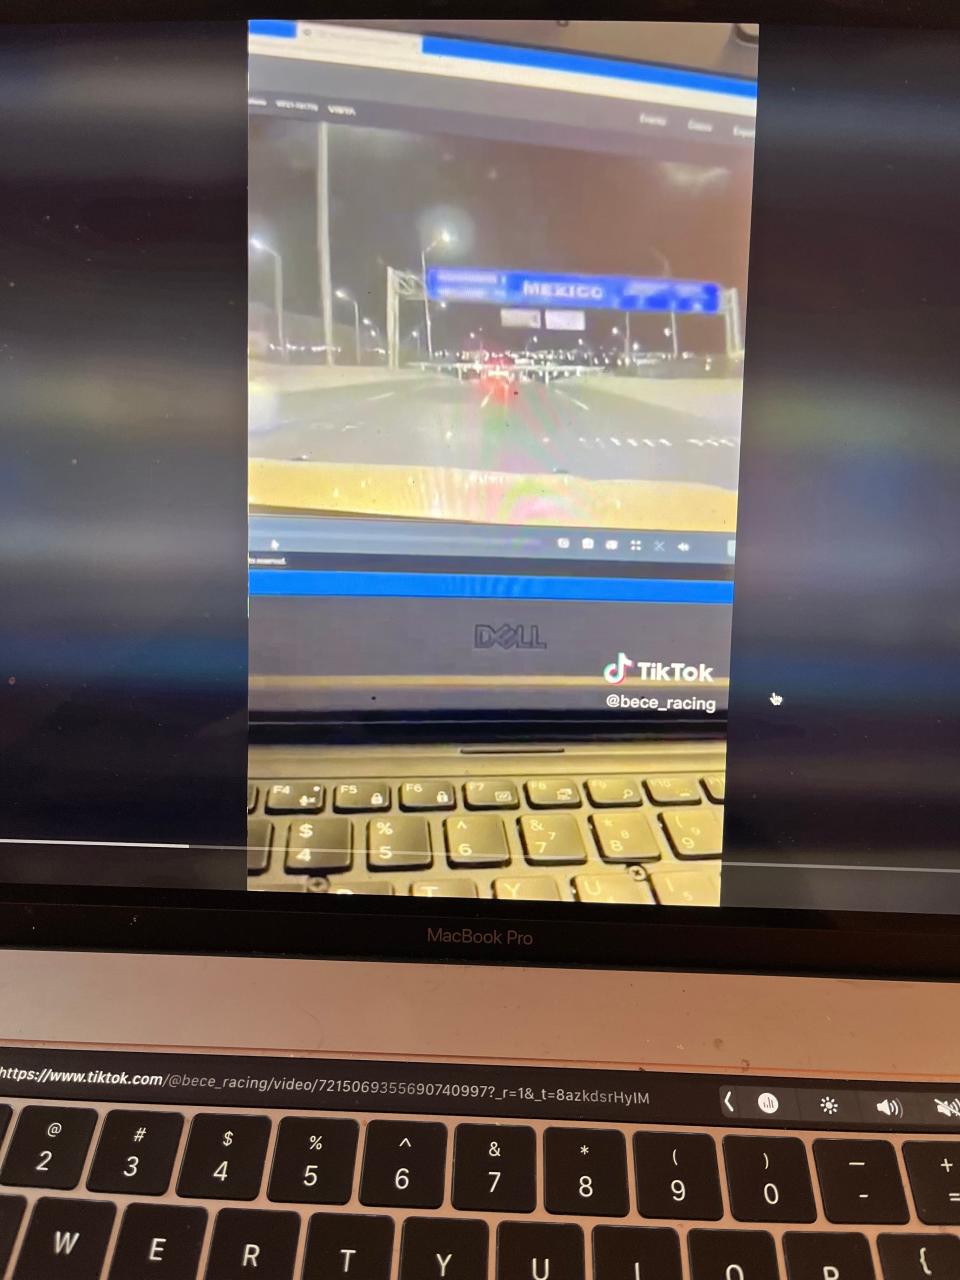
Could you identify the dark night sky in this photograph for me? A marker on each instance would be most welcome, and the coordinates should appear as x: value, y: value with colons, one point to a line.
x: 510, y: 205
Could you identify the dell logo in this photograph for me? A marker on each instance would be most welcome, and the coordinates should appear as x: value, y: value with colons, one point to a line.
x: 507, y: 636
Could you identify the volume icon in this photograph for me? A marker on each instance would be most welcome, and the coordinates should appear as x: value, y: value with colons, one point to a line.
x: 892, y: 1107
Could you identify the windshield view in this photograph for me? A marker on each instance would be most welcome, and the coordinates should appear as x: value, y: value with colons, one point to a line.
x: 464, y: 317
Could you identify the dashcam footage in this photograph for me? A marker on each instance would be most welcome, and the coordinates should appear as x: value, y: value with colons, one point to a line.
x: 452, y: 327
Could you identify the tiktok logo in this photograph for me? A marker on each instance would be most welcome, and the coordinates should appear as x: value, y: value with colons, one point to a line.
x: 616, y: 672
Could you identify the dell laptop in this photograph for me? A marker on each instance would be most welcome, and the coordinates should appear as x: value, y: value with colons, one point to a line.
x: 478, y: 666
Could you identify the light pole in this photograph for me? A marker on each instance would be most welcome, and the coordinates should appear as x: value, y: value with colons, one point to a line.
x: 259, y: 247
x: 667, y: 272
x: 346, y: 297
x: 444, y: 237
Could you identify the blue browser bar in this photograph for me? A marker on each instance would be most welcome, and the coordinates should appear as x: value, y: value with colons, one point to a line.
x: 587, y: 65
x: 273, y: 27
x: 464, y: 586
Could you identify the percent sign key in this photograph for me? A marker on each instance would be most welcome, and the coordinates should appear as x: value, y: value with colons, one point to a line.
x: 314, y: 1161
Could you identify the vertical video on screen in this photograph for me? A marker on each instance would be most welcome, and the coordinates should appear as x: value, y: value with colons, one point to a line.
x: 497, y: 301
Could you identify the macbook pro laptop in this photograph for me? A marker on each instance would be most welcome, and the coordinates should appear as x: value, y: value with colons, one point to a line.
x: 478, y: 740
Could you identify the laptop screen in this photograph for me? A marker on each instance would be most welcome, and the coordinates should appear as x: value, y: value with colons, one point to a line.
x: 377, y: 521
x: 497, y: 302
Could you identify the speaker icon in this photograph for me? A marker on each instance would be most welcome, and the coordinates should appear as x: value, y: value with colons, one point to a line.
x: 892, y: 1107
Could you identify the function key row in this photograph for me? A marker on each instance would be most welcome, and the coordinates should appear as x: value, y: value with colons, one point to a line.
x: 677, y: 1175
x: 304, y: 796
x: 403, y: 842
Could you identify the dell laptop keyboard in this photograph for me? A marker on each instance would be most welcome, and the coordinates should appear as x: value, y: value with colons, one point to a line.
x: 617, y: 838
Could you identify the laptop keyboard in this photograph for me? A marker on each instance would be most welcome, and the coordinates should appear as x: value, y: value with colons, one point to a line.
x: 128, y: 1193
x: 615, y: 838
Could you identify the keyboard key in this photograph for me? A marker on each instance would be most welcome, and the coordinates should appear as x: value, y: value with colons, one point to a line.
x: 730, y: 1255
x: 934, y: 1172
x: 478, y: 841
x: 625, y: 889
x: 552, y: 839
x: 625, y: 837
x: 527, y: 889
x: 428, y: 795
x: 259, y: 842
x: 361, y: 797
x: 585, y: 1172
x: 294, y: 797
x: 677, y: 1175
x: 403, y: 1164
x: 11, y: 1212
x: 859, y: 1181
x: 162, y: 1242
x: 253, y: 794
x: 364, y: 887
x: 224, y: 1157
x: 768, y: 1179
x: 48, y: 1147
x: 263, y: 1241
x: 813, y: 1255
x: 715, y: 785
x: 5, y: 1114
x: 538, y: 1251
x: 916, y: 1257
x: 553, y: 793
x: 685, y: 887
x: 443, y: 1249
x: 623, y: 1253
x: 317, y: 846
x: 136, y: 1152
x: 491, y: 793
x: 352, y: 1245
x: 613, y: 793
x: 65, y: 1240
x: 673, y: 788
x: 398, y: 844
x: 453, y: 888
x: 695, y: 835
x: 313, y: 1161
x: 495, y: 1168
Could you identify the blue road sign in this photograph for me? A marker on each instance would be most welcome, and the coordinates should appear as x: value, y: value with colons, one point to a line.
x: 608, y: 293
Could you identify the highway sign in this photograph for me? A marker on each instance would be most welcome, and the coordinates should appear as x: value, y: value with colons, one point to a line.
x: 520, y: 318
x: 555, y: 290
x: 575, y: 320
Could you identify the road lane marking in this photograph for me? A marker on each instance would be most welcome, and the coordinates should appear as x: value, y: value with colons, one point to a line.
x: 615, y: 440
x: 486, y: 400
x: 630, y: 440
x: 350, y: 426
x: 384, y: 395
x: 579, y: 403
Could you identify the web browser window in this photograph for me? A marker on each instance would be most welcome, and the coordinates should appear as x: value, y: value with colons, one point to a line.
x: 496, y: 336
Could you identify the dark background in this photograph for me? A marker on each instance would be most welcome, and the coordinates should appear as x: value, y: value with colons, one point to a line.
x: 848, y: 574
x: 123, y: 676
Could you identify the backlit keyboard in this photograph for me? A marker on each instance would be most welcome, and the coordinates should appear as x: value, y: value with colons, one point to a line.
x: 389, y: 1171
x: 615, y: 838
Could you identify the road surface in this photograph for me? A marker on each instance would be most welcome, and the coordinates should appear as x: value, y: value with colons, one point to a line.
x: 562, y: 428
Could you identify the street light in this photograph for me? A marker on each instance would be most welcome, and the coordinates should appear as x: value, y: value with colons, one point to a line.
x: 667, y: 271
x: 258, y: 246
x: 346, y: 297
x: 442, y: 237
